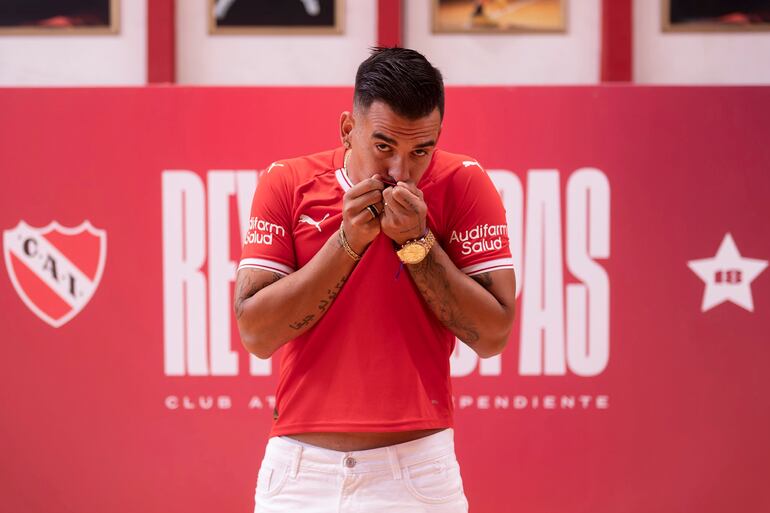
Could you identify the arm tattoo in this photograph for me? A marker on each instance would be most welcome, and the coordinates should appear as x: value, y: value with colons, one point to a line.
x: 247, y: 287
x: 331, y: 295
x: 431, y: 280
x: 323, y: 305
x: 304, y: 322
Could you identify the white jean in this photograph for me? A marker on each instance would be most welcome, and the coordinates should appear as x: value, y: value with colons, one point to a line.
x: 418, y: 476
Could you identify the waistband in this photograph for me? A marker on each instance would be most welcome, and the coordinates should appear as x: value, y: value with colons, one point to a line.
x: 394, y: 458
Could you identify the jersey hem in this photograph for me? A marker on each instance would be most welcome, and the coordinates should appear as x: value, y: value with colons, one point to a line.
x: 363, y: 427
x: 267, y: 265
x: 487, y: 266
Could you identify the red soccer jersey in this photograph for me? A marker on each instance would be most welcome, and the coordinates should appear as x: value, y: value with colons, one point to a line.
x: 378, y: 360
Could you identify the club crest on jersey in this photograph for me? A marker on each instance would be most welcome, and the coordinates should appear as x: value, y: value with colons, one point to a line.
x: 55, y: 269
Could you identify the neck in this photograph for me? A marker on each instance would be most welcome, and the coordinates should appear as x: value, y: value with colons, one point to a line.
x: 346, y: 167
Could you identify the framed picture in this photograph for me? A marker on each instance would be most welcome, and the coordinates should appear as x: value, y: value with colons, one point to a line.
x: 276, y: 16
x: 499, y: 16
x: 715, y: 15
x: 59, y: 17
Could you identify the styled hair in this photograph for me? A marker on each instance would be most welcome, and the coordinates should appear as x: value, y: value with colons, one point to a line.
x: 401, y: 78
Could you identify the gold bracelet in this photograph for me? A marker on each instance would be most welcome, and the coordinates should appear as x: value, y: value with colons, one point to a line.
x: 344, y: 241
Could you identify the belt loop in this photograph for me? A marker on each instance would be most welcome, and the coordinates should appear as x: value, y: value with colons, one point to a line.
x: 295, y: 461
x: 394, y: 465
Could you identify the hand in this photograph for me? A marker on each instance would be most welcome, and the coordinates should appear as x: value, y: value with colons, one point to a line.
x: 404, y: 217
x: 360, y: 226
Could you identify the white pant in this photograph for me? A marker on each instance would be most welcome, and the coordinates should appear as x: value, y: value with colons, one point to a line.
x: 418, y: 476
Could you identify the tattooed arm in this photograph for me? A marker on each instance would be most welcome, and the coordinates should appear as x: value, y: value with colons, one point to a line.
x: 271, y: 309
x: 478, y: 310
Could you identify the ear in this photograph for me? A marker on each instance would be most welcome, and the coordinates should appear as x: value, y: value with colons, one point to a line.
x: 347, y: 122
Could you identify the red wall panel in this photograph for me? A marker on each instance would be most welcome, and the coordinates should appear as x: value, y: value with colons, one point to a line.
x: 618, y: 390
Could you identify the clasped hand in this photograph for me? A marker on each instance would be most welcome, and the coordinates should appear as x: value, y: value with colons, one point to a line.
x: 401, y: 213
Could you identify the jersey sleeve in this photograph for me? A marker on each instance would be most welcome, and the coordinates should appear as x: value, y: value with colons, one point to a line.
x: 269, y: 243
x: 477, y: 239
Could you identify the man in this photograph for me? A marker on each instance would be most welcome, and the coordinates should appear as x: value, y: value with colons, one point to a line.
x: 365, y: 263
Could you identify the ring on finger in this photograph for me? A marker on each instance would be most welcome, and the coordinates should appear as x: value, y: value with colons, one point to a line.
x: 373, y: 210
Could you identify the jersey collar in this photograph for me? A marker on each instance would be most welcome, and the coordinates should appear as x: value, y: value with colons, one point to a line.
x: 343, y: 180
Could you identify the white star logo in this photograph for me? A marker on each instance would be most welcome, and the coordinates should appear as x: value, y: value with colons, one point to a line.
x: 727, y: 276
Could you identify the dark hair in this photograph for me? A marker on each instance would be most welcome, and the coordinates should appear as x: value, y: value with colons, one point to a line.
x: 401, y: 78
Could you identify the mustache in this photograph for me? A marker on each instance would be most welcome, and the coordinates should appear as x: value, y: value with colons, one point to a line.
x: 387, y: 180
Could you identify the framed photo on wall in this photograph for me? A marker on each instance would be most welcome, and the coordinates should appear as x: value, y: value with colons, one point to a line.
x: 715, y: 15
x: 499, y: 16
x: 276, y: 16
x: 59, y: 17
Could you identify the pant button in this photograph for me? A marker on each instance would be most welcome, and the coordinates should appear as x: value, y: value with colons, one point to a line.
x: 350, y: 462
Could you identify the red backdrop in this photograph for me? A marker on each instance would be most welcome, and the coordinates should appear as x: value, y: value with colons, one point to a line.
x: 635, y: 379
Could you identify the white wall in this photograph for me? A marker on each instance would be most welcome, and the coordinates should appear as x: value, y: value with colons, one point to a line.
x: 112, y: 59
x: 268, y: 59
x: 571, y: 58
x: 568, y: 58
x: 696, y: 58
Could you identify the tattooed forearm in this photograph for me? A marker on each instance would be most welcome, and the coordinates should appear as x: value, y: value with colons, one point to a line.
x: 431, y: 280
x: 304, y: 322
x: 247, y: 287
x: 323, y: 305
x: 331, y: 294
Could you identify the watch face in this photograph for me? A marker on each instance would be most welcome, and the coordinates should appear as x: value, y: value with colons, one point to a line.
x: 412, y: 253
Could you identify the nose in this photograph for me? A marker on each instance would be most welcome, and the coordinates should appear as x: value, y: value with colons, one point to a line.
x: 397, y: 169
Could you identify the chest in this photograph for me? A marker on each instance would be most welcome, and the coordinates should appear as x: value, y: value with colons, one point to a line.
x: 316, y: 218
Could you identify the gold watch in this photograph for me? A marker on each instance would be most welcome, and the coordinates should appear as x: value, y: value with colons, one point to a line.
x: 414, y: 251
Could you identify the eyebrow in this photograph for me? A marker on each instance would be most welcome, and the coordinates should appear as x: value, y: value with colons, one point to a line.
x: 389, y: 140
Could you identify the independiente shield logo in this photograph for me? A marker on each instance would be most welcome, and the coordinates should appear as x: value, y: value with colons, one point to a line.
x: 55, y: 269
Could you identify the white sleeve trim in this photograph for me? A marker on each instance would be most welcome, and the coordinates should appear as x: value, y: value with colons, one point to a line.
x: 267, y: 265
x: 489, y: 265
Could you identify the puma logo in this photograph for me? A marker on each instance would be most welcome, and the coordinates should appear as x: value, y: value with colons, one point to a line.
x: 469, y: 163
x: 309, y: 220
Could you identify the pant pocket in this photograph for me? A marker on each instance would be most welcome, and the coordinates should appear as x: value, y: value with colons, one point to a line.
x: 270, y: 479
x: 435, y: 481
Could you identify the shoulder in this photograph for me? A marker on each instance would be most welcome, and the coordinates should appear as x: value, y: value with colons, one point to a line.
x: 300, y: 169
x: 455, y: 170
x: 454, y: 161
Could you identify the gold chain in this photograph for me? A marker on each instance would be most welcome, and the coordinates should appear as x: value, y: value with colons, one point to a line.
x: 345, y: 164
x: 344, y: 241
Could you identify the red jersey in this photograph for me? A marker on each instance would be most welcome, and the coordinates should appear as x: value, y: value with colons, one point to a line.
x: 378, y: 360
